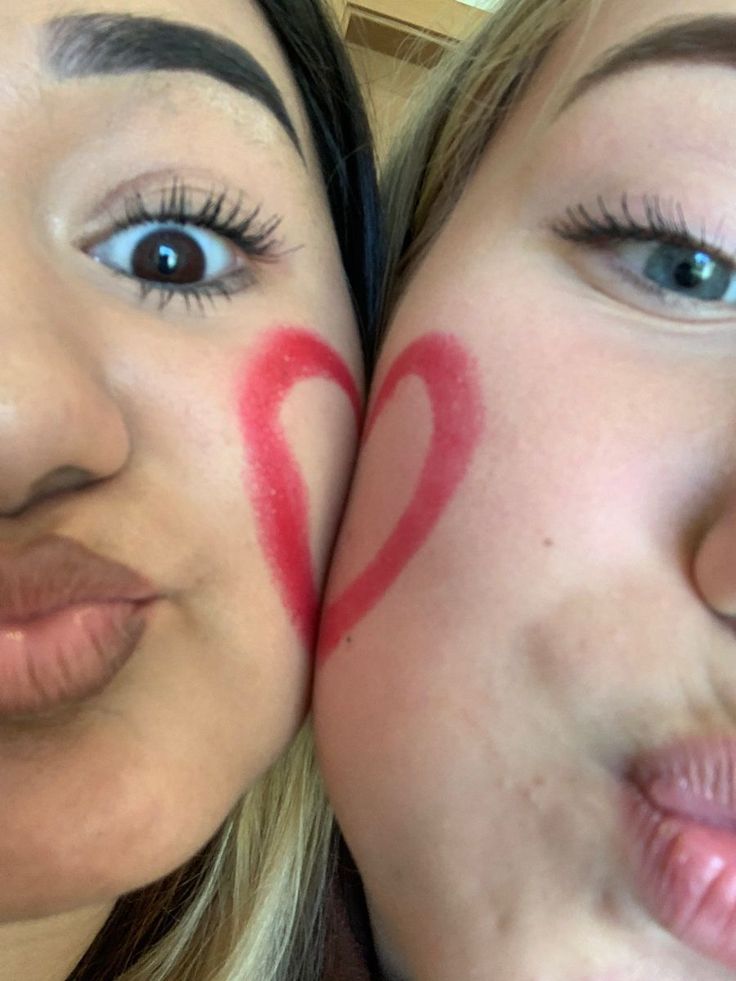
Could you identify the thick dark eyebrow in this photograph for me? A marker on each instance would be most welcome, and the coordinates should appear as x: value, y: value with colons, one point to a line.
x: 80, y: 46
x: 704, y: 40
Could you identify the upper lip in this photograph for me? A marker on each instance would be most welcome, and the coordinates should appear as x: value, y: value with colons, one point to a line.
x: 53, y: 573
x: 694, y: 778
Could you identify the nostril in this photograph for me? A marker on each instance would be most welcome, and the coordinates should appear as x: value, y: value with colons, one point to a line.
x: 59, y: 481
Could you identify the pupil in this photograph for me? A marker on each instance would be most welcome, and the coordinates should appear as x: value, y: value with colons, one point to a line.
x: 689, y: 271
x: 168, y: 260
x: 696, y: 271
x: 169, y: 256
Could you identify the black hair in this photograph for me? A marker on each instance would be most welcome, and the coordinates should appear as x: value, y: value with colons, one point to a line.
x: 331, y: 96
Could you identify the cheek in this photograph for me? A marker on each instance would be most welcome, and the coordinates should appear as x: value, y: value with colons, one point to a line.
x: 590, y: 461
x: 601, y: 437
x: 274, y: 481
x: 450, y: 382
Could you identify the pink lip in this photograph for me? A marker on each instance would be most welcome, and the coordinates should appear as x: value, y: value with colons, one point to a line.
x: 681, y: 823
x: 69, y: 621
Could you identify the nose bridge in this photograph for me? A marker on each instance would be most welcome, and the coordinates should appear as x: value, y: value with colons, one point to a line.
x: 61, y: 424
x: 59, y: 421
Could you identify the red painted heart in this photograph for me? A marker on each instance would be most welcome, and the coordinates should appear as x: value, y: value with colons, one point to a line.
x: 277, y: 488
x: 455, y: 395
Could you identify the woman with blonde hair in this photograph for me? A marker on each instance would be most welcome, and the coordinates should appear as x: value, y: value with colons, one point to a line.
x: 190, y: 242
x: 526, y: 701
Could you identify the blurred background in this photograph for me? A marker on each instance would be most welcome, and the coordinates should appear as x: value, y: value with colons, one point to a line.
x: 394, y: 43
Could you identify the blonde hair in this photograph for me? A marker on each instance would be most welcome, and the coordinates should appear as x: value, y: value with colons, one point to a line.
x: 248, y: 907
x: 472, y: 91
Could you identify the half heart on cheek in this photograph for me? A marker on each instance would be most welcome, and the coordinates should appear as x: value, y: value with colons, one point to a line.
x: 274, y: 482
x: 451, y: 379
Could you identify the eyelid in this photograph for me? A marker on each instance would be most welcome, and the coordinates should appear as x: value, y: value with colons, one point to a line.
x: 663, y: 221
x: 176, y: 203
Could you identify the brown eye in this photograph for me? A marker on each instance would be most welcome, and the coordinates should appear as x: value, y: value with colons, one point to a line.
x: 167, y: 254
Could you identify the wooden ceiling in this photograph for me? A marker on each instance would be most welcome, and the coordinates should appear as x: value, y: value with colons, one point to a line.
x: 414, y: 30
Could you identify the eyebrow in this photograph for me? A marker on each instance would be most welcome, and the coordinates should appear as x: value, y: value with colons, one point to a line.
x: 84, y: 45
x: 704, y: 40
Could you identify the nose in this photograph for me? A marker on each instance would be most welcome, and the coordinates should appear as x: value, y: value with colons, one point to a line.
x: 60, y: 427
x: 714, y: 568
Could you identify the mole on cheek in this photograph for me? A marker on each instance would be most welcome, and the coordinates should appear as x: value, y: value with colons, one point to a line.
x: 273, y: 481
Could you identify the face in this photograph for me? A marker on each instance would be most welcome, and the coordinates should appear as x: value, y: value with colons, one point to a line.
x: 178, y: 391
x: 526, y: 705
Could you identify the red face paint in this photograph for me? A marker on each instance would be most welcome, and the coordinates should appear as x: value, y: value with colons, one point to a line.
x: 277, y: 489
x: 454, y: 391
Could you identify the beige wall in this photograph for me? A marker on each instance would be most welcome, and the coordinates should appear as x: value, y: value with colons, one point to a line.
x: 341, y: 9
x: 394, y: 44
x: 388, y: 84
x: 444, y: 17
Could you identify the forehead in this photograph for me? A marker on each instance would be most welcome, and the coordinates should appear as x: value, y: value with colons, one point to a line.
x: 608, y: 24
x: 593, y: 58
x: 615, y: 21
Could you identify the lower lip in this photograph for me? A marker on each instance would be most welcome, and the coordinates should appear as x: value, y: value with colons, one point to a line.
x: 65, y: 657
x: 686, y: 872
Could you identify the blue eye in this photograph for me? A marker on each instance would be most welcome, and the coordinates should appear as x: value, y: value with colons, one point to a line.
x: 687, y: 270
x: 648, y: 247
x: 165, y: 253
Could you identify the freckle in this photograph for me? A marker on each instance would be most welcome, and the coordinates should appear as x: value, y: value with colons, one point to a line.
x: 349, y: 639
x: 548, y: 543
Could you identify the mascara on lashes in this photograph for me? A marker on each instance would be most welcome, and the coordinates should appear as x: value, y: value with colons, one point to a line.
x: 255, y: 236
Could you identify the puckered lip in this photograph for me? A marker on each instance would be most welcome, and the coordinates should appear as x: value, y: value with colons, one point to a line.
x: 53, y: 573
x: 679, y: 812
x: 692, y: 778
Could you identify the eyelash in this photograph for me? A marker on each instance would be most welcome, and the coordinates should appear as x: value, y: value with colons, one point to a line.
x: 246, y: 229
x: 583, y: 228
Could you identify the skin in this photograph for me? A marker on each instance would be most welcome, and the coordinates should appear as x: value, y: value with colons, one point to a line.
x: 566, y: 612
x: 143, y: 405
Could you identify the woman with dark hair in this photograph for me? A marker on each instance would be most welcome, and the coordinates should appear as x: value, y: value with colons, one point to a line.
x: 191, y: 242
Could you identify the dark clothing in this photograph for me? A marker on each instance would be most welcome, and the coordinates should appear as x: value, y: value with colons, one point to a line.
x: 350, y: 954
